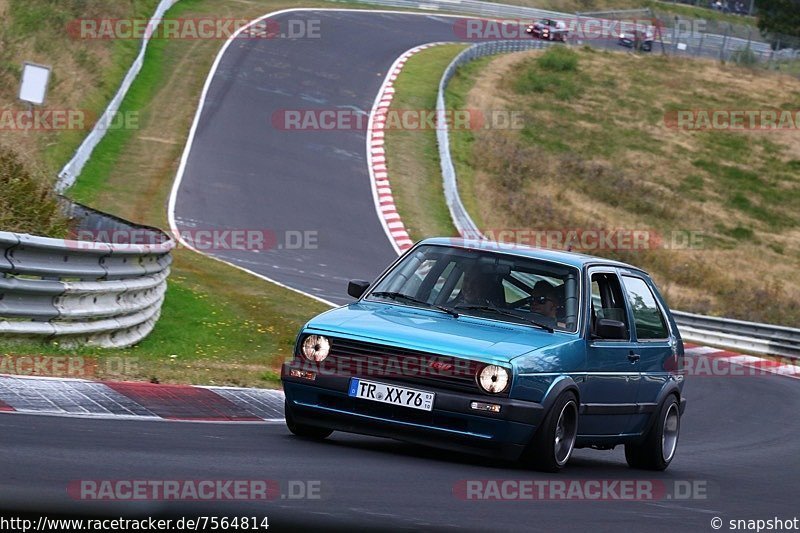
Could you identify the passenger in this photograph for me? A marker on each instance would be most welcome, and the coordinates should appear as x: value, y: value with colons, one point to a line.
x: 545, y: 303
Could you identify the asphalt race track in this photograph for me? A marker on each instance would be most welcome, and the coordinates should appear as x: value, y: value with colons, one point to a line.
x: 739, y: 436
x: 738, y: 440
x: 243, y: 172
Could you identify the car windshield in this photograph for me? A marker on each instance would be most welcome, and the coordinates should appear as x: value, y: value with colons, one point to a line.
x: 494, y: 285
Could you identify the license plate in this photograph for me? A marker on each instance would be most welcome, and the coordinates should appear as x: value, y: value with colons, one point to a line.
x: 391, y: 394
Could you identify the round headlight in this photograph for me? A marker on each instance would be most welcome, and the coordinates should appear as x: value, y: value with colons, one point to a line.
x: 316, y: 348
x: 493, y: 378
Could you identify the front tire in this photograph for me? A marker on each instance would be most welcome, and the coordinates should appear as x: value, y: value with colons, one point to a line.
x: 303, y: 430
x: 657, y: 450
x: 554, y: 441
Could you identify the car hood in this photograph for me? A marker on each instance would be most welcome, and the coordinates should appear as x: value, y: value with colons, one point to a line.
x: 488, y: 341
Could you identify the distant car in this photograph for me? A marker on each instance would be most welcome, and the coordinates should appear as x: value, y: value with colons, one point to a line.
x: 643, y: 36
x: 548, y: 29
x: 509, y: 351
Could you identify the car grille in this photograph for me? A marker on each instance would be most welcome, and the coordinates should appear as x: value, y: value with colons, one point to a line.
x: 369, y: 360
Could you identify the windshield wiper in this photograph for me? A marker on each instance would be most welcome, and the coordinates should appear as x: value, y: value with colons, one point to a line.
x: 506, y: 313
x: 401, y: 296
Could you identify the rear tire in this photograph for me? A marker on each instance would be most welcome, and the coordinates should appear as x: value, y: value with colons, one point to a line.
x: 304, y: 430
x: 657, y: 449
x: 554, y: 441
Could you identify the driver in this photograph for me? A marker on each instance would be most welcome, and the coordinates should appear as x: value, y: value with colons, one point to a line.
x: 545, y: 302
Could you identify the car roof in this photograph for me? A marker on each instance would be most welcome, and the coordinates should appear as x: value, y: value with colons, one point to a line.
x: 574, y: 259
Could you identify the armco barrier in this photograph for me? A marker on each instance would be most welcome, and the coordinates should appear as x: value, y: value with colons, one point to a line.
x: 725, y: 332
x: 84, y: 292
x: 740, y: 335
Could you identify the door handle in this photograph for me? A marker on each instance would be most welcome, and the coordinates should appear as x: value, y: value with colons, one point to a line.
x: 634, y: 357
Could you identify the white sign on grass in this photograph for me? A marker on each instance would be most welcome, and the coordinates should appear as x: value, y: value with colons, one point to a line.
x: 33, y: 88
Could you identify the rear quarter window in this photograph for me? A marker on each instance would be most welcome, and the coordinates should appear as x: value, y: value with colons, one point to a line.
x: 648, y: 319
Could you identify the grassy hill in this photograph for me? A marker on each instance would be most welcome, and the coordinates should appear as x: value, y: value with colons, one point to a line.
x: 600, y: 149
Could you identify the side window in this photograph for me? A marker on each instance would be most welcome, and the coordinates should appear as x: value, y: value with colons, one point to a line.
x: 607, y: 299
x: 647, y: 317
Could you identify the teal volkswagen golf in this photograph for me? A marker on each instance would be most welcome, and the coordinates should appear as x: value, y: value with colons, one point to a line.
x: 504, y: 350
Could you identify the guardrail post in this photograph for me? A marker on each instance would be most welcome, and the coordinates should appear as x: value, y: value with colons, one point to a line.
x: 675, y: 34
x: 724, y: 43
x: 700, y: 48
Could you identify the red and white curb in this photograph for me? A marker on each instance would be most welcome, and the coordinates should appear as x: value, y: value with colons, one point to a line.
x: 138, y: 400
x: 376, y: 155
x: 756, y: 365
x: 147, y: 401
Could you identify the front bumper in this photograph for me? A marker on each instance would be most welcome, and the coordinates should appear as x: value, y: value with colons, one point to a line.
x: 452, y: 424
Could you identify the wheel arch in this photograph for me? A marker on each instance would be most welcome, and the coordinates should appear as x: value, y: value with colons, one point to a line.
x: 670, y: 388
x: 560, y: 385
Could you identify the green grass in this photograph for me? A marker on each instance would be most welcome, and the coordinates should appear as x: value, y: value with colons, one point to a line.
x: 693, y: 12
x: 123, y: 52
x: 135, y: 104
x: 666, y: 8
x: 27, y: 204
x: 558, y: 59
x: 461, y: 140
x: 554, y: 73
x: 40, y: 25
x: 417, y: 181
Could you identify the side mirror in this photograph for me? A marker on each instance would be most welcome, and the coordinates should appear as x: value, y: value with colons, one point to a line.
x: 357, y: 287
x: 611, y: 330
